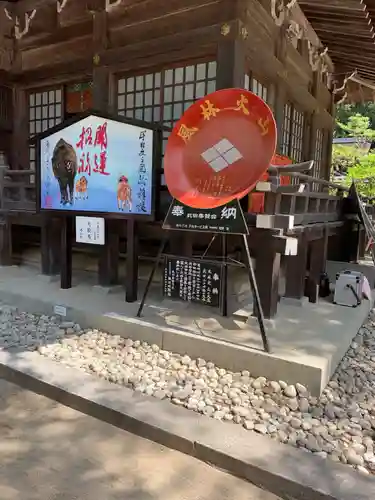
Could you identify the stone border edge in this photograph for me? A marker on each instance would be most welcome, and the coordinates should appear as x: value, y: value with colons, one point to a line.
x: 263, y: 462
x: 223, y: 353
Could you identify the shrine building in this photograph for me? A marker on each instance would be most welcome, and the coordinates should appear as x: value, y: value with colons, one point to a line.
x: 150, y: 60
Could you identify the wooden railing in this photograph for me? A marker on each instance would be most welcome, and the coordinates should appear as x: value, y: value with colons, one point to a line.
x: 299, y: 200
x: 17, y: 190
x: 307, y: 206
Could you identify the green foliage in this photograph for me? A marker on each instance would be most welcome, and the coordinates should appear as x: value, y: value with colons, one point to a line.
x: 364, y: 175
x: 357, y: 121
x: 345, y: 111
x: 344, y: 157
x: 358, y: 126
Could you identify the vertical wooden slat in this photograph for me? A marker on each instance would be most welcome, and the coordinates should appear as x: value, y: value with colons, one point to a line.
x: 131, y: 285
x: 66, y: 252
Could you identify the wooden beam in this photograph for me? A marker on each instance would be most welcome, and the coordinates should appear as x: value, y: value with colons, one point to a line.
x: 150, y: 48
x: 353, y: 56
x: 333, y: 3
x: 327, y: 35
x: 327, y: 13
x: 331, y: 20
x: 54, y: 37
x: 347, y: 30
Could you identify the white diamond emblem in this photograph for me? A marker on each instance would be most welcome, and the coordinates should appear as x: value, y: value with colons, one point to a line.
x: 232, y: 156
x: 223, y: 146
x: 221, y: 155
x: 219, y: 164
x: 210, y: 155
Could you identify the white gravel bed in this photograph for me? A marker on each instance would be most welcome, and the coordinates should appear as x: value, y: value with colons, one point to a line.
x: 340, y: 425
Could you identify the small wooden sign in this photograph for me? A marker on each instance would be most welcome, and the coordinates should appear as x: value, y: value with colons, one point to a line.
x: 90, y: 230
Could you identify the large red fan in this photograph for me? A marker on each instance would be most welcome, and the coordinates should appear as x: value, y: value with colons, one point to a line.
x: 220, y: 148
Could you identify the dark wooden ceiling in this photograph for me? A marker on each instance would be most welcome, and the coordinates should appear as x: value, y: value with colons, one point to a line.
x: 346, y: 27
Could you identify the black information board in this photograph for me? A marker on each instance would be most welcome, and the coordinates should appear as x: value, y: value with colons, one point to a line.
x: 193, y: 280
x: 226, y: 219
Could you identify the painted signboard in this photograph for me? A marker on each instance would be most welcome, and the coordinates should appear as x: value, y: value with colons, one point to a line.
x: 97, y: 165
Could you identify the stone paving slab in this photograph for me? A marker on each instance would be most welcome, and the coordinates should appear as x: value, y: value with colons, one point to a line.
x: 51, y: 452
x: 282, y: 470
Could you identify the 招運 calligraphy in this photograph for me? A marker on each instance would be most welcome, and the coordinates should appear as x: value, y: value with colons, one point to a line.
x: 92, y: 160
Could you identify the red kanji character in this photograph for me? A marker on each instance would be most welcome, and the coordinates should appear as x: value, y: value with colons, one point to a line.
x: 81, y: 141
x: 102, y: 164
x: 88, y: 164
x: 88, y: 140
x: 101, y: 136
x: 81, y: 167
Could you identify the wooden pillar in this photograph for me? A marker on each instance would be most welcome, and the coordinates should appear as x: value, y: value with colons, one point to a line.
x: 66, y: 252
x: 313, y: 124
x: 50, y: 245
x: 231, y: 66
x: 329, y: 142
x: 131, y: 285
x: 109, y: 253
x: 5, y: 241
x: 318, y: 257
x: 349, y: 242
x: 267, y: 273
x: 296, y: 267
x: 231, y: 59
x: 280, y: 88
x: 20, y: 147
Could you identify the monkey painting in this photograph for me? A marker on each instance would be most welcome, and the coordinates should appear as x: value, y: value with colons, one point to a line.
x: 124, y: 194
x: 64, y: 166
x: 81, y: 188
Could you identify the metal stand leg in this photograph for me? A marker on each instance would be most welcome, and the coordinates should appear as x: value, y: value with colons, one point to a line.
x: 224, y: 303
x: 152, y: 274
x: 254, y: 288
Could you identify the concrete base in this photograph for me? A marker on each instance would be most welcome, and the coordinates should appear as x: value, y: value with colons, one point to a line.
x: 277, y: 468
x: 307, y: 343
x: 289, y: 301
